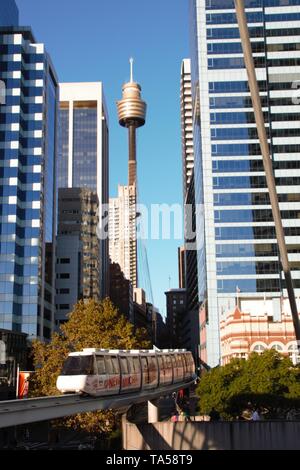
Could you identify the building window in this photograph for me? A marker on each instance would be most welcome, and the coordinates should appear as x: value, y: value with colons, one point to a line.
x: 64, y: 291
x: 259, y: 348
x: 65, y: 261
x: 278, y: 347
x: 294, y: 354
x: 64, y: 307
x: 64, y: 276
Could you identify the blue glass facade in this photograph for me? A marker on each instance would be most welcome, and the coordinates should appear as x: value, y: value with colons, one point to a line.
x: 240, y: 242
x: 63, y: 146
x: 9, y: 13
x: 85, y: 147
x: 27, y: 168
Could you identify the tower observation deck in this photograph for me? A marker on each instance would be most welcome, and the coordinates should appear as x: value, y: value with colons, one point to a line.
x: 132, y: 114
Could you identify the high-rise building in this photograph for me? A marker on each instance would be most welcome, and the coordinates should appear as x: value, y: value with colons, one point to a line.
x: 122, y: 232
x: 190, y: 333
x: 181, y: 267
x: 186, y: 123
x: 237, y: 249
x: 28, y: 123
x: 9, y: 13
x: 77, y: 252
x: 83, y: 150
x: 121, y: 292
x: 176, y: 316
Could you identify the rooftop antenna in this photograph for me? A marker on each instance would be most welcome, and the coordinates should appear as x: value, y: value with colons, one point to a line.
x: 131, y: 69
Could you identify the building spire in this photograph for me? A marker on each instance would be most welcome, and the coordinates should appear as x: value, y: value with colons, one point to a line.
x: 131, y: 69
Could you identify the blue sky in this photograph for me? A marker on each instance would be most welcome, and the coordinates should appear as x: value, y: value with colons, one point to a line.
x: 92, y: 40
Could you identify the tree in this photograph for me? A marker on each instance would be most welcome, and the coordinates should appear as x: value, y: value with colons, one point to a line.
x: 90, y: 325
x: 268, y: 380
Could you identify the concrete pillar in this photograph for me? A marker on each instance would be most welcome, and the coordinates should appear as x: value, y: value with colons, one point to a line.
x: 153, y: 412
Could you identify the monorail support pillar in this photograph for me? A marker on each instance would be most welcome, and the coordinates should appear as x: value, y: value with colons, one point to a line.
x: 153, y: 412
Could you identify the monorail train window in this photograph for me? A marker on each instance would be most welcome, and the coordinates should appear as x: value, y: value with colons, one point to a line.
x: 152, y: 363
x: 124, y: 365
x: 180, y: 361
x: 115, y: 364
x: 161, y: 363
x: 108, y: 365
x: 130, y: 365
x: 144, y: 364
x: 78, y: 365
x: 136, y: 364
x: 168, y: 362
x: 100, y: 365
x: 145, y: 369
x: 186, y: 363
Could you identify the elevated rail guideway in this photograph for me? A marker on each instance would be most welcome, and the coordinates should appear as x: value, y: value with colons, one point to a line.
x: 16, y: 412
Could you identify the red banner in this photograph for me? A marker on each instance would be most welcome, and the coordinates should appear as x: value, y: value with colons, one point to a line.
x: 23, y: 384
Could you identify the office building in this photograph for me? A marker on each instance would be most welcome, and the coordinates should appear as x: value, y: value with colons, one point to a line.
x: 186, y: 110
x: 9, y: 13
x: 121, y: 292
x: 28, y: 123
x: 140, y: 319
x: 83, y: 151
x: 236, y: 242
x: 122, y: 232
x: 188, y: 261
x: 77, y: 252
x: 176, y: 316
x: 181, y: 267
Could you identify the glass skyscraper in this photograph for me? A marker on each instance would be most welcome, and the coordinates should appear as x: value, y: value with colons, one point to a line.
x: 9, y: 13
x: 83, y: 149
x: 237, y: 248
x: 28, y: 124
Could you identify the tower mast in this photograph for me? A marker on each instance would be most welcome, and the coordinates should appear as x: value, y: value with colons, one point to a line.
x: 132, y: 114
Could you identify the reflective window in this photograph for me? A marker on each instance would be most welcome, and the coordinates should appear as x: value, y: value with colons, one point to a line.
x: 63, y: 145
x: 85, y: 146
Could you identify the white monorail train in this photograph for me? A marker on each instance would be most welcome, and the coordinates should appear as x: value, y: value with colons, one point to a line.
x: 108, y: 372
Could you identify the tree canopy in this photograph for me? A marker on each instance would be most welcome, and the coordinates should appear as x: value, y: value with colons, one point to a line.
x: 90, y: 325
x: 269, y: 381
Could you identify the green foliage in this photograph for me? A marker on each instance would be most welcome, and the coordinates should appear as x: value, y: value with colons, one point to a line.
x: 90, y: 325
x: 269, y: 381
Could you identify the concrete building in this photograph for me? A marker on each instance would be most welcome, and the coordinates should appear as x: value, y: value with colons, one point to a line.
x: 181, y: 267
x: 256, y: 325
x: 122, y: 232
x: 84, y: 151
x: 176, y: 316
x: 77, y: 254
x: 157, y: 328
x: 236, y: 241
x: 186, y: 109
x: 121, y: 291
x: 190, y: 326
x: 140, y: 319
x: 28, y: 159
x: 9, y: 13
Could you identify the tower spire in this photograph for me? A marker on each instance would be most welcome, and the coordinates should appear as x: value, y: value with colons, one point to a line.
x: 131, y: 69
